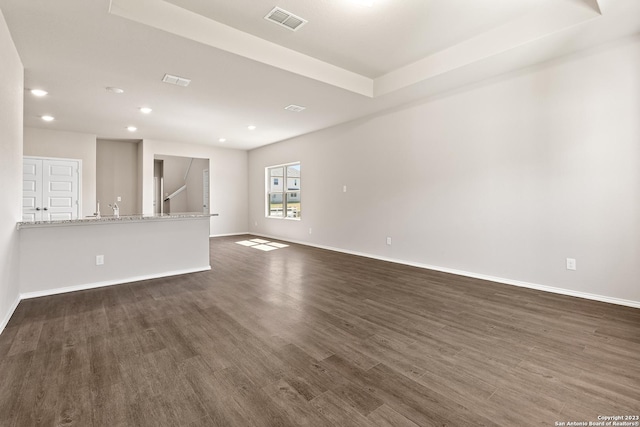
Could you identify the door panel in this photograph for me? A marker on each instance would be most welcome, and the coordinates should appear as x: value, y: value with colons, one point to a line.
x: 60, y: 202
x: 32, y: 190
x: 60, y: 195
x: 60, y: 216
x: 61, y: 186
x: 60, y: 170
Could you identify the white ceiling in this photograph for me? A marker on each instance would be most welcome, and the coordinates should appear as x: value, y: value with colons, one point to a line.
x: 366, y: 40
x: 349, y: 61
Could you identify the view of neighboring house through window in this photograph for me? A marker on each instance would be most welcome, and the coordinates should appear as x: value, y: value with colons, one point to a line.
x: 283, y: 191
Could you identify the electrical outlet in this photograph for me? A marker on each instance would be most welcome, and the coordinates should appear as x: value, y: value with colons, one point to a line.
x: 389, y: 241
x: 344, y: 188
x: 255, y: 223
x: 571, y: 264
x: 119, y: 199
x: 99, y: 259
x: 310, y: 230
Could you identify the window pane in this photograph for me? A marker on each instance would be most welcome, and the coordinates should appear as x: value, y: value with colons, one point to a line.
x: 293, y: 183
x: 275, y: 204
x: 276, y: 171
x: 293, y: 177
x: 276, y: 178
x: 293, y: 205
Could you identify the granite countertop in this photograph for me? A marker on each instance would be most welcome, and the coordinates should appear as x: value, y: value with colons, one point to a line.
x: 106, y: 219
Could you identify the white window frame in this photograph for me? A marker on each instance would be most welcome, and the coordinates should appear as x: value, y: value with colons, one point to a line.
x: 284, y: 192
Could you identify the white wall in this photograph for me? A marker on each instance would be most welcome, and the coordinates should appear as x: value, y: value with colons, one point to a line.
x: 117, y: 175
x: 71, y: 145
x: 228, y: 181
x: 11, y: 101
x: 505, y: 179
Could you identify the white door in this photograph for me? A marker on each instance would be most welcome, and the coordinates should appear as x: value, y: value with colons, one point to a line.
x: 205, y: 191
x: 32, y: 190
x: 60, y: 189
x: 50, y: 189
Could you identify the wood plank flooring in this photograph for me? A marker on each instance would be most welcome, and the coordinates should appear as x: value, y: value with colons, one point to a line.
x: 306, y: 337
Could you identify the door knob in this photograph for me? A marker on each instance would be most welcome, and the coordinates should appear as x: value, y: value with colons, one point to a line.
x: 37, y: 209
x: 46, y: 209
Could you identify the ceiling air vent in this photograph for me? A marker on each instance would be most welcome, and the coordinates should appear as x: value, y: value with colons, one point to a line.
x: 295, y: 108
x: 175, y: 80
x: 285, y: 19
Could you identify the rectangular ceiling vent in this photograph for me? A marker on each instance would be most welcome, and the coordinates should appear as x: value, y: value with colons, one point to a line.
x: 175, y: 80
x: 285, y: 19
x: 295, y: 108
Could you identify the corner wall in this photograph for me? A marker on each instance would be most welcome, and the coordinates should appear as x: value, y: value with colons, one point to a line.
x: 503, y: 180
x: 11, y: 105
x: 117, y: 176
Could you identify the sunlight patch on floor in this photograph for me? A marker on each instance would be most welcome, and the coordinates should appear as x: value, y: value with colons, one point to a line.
x: 263, y: 245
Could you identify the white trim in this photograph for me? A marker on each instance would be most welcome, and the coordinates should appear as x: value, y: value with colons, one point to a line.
x: 175, y: 193
x: 12, y: 309
x: 75, y: 288
x: 283, y: 164
x: 544, y: 288
x: 229, y: 234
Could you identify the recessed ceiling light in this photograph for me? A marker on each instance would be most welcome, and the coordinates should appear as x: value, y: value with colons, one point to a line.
x: 364, y: 2
x: 222, y: 140
x: 251, y: 127
x: 114, y: 90
x: 39, y: 92
x: 47, y: 118
x: 145, y: 110
x: 132, y: 128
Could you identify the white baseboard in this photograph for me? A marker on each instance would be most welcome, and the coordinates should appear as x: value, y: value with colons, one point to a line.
x: 7, y: 317
x: 94, y: 285
x: 229, y: 234
x: 561, y: 291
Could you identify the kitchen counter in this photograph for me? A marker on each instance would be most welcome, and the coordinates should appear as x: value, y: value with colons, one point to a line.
x: 65, y: 256
x: 108, y: 219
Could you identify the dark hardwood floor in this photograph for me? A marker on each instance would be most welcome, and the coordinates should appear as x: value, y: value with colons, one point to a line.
x: 305, y: 337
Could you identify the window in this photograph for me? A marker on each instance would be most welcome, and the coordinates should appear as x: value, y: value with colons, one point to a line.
x: 283, y: 191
